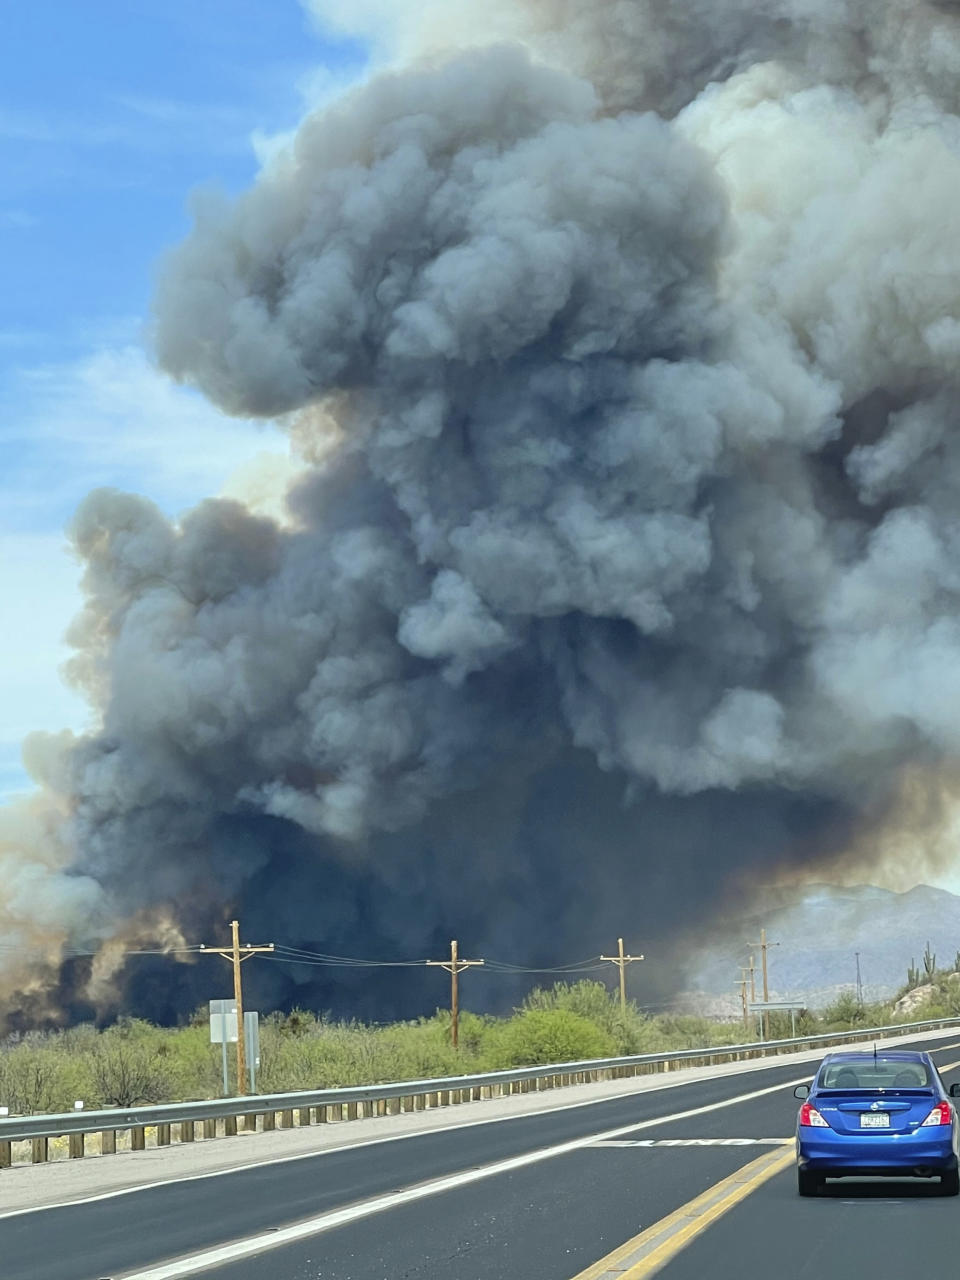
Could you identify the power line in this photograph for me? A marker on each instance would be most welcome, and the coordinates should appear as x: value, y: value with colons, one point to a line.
x: 280, y: 953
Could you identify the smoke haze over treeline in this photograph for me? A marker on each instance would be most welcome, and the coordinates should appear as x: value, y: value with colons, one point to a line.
x: 620, y: 348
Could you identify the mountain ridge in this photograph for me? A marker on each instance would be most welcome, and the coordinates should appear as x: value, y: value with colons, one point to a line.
x: 820, y: 928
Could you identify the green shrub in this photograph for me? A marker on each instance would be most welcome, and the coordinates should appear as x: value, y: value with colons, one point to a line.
x: 536, y: 1037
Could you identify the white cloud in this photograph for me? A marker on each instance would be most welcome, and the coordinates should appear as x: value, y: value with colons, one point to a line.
x: 317, y: 88
x: 138, y: 122
x: 112, y: 419
x: 109, y: 418
x: 17, y: 220
x: 400, y: 29
x: 40, y: 592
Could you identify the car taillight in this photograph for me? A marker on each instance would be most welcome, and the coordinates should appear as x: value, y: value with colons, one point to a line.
x: 942, y: 1113
x: 811, y: 1116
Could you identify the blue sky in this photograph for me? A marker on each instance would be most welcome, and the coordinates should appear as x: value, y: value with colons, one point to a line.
x: 111, y: 112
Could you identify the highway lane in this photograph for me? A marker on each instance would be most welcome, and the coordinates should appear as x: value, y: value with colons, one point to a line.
x: 545, y: 1221
x: 874, y: 1227
x: 119, y: 1234
x: 552, y: 1221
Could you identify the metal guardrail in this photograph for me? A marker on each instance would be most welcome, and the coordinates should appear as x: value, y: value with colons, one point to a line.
x: 365, y: 1101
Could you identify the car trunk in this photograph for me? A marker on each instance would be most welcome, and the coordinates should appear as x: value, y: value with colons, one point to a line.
x: 865, y: 1112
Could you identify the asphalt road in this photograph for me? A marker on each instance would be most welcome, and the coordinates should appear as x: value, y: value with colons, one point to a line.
x: 544, y: 1220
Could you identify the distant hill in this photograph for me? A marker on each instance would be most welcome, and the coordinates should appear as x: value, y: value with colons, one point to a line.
x: 820, y: 927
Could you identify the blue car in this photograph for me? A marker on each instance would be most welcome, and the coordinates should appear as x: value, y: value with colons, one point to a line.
x: 877, y: 1115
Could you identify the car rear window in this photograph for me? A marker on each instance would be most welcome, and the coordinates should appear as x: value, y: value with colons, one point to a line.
x: 875, y: 1073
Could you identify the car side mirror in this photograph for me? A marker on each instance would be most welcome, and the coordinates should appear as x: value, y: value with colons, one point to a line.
x: 803, y: 1090
x: 955, y: 1091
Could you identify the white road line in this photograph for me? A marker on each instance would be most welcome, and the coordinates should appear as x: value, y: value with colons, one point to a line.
x: 215, y: 1257
x: 400, y: 1137
x: 693, y: 1142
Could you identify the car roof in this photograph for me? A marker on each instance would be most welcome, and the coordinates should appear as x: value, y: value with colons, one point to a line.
x: 886, y: 1055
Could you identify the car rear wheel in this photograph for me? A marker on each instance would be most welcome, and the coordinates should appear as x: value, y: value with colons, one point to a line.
x: 808, y: 1184
x: 950, y: 1183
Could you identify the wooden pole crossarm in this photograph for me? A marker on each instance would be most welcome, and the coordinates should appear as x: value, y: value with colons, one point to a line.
x: 763, y: 944
x: 454, y: 966
x: 236, y: 956
x: 621, y: 961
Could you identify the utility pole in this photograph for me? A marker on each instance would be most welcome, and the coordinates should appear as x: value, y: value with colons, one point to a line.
x: 742, y: 984
x: 454, y: 966
x: 753, y: 981
x: 859, y: 985
x: 621, y: 961
x: 763, y: 944
x: 236, y: 955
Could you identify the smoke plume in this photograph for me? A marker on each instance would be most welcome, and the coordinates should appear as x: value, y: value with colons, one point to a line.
x: 620, y: 346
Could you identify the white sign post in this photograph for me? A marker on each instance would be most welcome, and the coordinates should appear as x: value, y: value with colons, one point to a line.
x: 223, y: 1031
x: 788, y: 1006
x: 251, y: 1034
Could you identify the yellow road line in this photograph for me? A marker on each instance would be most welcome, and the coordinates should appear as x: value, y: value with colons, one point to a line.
x: 653, y: 1248
x: 646, y: 1253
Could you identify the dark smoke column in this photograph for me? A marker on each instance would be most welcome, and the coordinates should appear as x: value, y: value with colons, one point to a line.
x: 622, y: 564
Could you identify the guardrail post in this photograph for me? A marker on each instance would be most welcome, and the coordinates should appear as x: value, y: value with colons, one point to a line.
x: 304, y: 1117
x: 351, y: 1111
x: 419, y: 1102
x: 249, y: 1124
x: 229, y: 1126
x: 163, y: 1135
x: 188, y: 1131
x: 286, y: 1118
x: 6, y: 1154
x: 39, y: 1150
x: 393, y: 1106
x: 269, y: 1121
x: 368, y: 1109
x: 408, y: 1103
x: 138, y: 1138
x: 76, y: 1146
x: 210, y: 1127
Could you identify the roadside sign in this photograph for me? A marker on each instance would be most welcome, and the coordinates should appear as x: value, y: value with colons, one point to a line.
x: 223, y: 1022
x: 223, y: 1031
x: 251, y: 1036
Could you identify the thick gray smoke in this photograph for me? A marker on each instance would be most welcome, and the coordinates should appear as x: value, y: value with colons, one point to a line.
x: 622, y: 361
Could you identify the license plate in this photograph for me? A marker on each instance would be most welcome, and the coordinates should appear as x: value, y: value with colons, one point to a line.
x: 874, y: 1120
